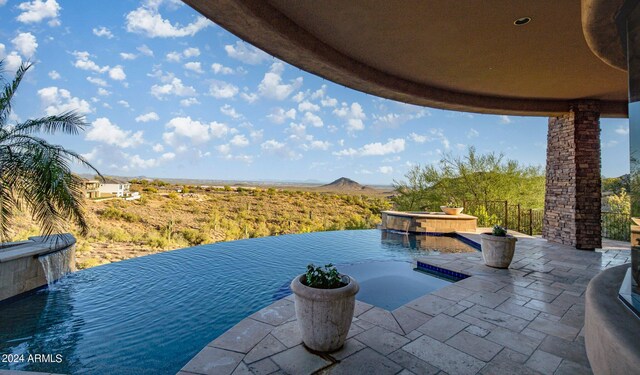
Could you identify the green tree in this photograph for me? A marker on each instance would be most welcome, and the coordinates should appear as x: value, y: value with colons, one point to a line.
x: 35, y: 174
x: 472, y: 177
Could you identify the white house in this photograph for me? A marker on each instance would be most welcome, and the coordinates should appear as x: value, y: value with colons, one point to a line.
x: 114, y: 189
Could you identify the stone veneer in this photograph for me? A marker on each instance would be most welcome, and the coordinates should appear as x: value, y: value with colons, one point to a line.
x: 20, y: 268
x: 428, y: 222
x: 573, y: 191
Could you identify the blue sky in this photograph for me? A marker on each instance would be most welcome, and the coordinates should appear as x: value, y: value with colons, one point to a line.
x: 170, y: 94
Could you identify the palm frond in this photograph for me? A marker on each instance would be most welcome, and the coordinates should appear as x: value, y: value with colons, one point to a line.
x: 68, y: 122
x: 9, y: 91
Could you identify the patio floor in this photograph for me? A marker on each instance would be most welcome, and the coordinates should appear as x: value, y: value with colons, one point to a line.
x: 525, y: 320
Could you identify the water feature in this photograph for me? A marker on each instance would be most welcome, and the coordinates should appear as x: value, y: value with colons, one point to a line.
x: 57, y: 264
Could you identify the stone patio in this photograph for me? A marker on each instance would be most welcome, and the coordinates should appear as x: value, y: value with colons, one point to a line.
x: 525, y: 320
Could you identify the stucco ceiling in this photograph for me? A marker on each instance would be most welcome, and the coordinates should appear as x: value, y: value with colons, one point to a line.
x: 461, y: 55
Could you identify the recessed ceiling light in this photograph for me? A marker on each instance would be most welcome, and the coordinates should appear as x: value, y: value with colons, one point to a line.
x: 522, y: 21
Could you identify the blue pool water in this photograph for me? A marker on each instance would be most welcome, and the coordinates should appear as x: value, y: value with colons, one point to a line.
x: 150, y: 315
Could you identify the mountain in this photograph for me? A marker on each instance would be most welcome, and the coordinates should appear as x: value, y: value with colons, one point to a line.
x: 344, y: 183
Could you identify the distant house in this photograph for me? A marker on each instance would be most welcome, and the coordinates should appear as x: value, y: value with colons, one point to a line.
x: 108, y: 188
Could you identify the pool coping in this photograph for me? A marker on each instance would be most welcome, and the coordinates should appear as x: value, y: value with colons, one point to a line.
x: 268, y: 339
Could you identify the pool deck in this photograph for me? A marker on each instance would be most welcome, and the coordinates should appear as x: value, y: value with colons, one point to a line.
x: 528, y: 319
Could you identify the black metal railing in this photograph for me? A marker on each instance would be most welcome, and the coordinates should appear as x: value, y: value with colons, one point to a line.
x: 616, y: 226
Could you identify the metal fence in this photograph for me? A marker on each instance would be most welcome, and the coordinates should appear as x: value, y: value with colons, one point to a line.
x: 615, y: 226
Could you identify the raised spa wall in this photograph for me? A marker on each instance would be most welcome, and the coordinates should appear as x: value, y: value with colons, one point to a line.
x: 20, y: 266
x: 428, y: 222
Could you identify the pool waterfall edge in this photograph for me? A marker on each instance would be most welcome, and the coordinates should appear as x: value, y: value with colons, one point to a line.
x: 29, y: 265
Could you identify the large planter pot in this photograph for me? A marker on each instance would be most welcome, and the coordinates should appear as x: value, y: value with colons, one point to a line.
x: 324, y: 315
x: 497, y: 251
x: 451, y: 210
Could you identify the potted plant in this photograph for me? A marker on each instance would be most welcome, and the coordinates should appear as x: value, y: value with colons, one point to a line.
x: 451, y: 208
x: 324, y: 303
x: 498, y: 247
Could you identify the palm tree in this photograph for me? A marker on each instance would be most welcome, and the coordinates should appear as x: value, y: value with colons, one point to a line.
x: 34, y: 174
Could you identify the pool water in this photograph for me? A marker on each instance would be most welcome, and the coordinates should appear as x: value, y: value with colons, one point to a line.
x: 152, y: 314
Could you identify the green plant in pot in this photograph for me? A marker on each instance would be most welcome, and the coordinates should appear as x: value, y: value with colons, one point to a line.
x: 498, y: 247
x: 324, y: 302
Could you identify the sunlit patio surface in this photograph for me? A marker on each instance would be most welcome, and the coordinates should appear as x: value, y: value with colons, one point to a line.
x: 527, y: 319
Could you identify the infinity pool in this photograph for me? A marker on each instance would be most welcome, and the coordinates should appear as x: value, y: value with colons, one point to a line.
x: 151, y: 315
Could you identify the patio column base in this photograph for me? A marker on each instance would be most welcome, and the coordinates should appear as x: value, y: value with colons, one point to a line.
x: 573, y: 191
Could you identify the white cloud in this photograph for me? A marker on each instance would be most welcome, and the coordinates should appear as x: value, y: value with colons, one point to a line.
x: 222, y: 90
x: 151, y: 116
x: 189, y: 102
x: 472, y: 133
x: 272, y: 86
x: 175, y: 87
x: 505, y: 119
x: 12, y: 61
x: 249, y: 97
x: 26, y: 44
x: 221, y: 69
x: 319, y: 145
x: 194, y: 130
x: 385, y: 169
x: 239, y: 140
x: 117, y: 73
x: 124, y: 103
x: 230, y: 111
x: 393, y: 146
x: 194, y: 66
x: 248, y: 54
x: 158, y: 147
x: 174, y: 56
x: 103, y: 92
x: 418, y: 138
x: 128, y: 56
x: 97, y: 81
x: 393, y: 120
x: 37, y: 10
x: 54, y: 75
x: 191, y: 52
x: 307, y: 106
x: 313, y: 120
x: 279, y: 149
x: 622, y: 130
x: 84, y: 62
x: 434, y: 135
x: 56, y: 101
x: 354, y: 116
x: 102, y: 32
x: 143, y: 49
x: 329, y: 102
x: 102, y: 130
x: 148, y: 21
x: 279, y: 115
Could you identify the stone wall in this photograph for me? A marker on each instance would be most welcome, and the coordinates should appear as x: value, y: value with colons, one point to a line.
x: 20, y: 267
x: 573, y: 186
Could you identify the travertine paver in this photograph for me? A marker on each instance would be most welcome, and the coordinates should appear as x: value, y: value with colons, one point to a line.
x: 527, y: 319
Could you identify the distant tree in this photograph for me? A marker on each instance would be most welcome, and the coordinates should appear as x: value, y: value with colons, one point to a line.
x: 472, y: 177
x: 35, y: 174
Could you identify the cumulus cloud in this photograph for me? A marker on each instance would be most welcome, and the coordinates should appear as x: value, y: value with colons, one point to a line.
x: 385, y: 169
x: 103, y: 92
x: 117, y: 73
x: 151, y: 116
x: 239, y: 140
x: 280, y: 149
x: 434, y: 135
x: 158, y: 147
x: 189, y: 102
x: 249, y: 97
x: 102, y: 32
x: 97, y: 81
x: 392, y: 146
x: 230, y: 111
x: 84, y: 62
x: 393, y: 120
x: 319, y: 145
x: 128, y: 56
x: 279, y: 115
x: 37, y: 10
x: 194, y: 66
x: 148, y: 21
x: 175, y: 56
x: 196, y: 131
x: 622, y: 129
x: 174, y: 87
x: 26, y: 44
x: 143, y: 49
x: 54, y: 75
x: 191, y: 52
x: 307, y: 106
x: 222, y: 90
x: 248, y: 54
x: 272, y: 86
x: 313, y: 120
x: 221, y: 69
x: 56, y: 101
x: 124, y: 103
x: 353, y: 115
x: 104, y: 131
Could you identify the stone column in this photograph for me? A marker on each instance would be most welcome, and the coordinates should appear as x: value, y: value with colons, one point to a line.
x: 573, y: 191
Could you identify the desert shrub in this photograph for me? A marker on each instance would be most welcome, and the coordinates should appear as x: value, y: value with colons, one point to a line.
x: 195, y: 237
x: 88, y: 263
x: 114, y: 213
x: 150, y: 189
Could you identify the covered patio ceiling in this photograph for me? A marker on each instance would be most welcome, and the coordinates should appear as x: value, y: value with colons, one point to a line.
x: 457, y: 55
